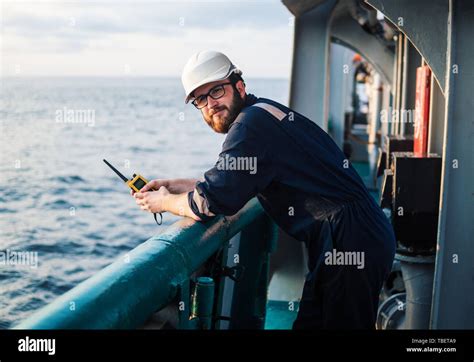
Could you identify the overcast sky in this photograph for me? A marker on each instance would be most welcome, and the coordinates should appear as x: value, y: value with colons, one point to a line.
x: 113, y: 38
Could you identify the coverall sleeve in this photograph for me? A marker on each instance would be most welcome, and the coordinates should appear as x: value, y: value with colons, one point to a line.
x: 244, y: 168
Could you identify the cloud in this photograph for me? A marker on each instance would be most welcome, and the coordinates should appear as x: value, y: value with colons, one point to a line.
x: 93, y: 39
x: 38, y: 19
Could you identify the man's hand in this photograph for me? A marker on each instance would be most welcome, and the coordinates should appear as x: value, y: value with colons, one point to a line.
x: 152, y: 186
x: 162, y: 201
x: 174, y: 186
x: 153, y: 202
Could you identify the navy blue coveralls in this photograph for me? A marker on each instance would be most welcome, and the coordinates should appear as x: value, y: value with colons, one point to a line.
x: 308, y: 187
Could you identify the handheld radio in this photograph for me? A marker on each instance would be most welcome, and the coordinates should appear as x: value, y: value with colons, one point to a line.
x: 136, y: 183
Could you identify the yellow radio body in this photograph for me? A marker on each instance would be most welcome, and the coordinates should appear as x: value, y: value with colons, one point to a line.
x: 137, y: 182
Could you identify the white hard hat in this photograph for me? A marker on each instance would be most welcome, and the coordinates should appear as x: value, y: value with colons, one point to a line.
x: 205, y: 67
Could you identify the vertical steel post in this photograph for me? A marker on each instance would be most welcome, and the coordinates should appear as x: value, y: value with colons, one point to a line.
x: 203, y: 303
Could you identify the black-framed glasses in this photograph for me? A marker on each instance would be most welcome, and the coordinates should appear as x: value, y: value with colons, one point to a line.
x: 216, y: 92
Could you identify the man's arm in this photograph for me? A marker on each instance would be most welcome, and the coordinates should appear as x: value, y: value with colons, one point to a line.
x: 178, y: 205
x: 224, y: 190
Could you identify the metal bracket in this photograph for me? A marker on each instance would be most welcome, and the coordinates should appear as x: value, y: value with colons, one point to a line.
x: 235, y: 273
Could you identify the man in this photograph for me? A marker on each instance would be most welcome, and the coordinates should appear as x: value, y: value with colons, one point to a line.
x: 303, y: 182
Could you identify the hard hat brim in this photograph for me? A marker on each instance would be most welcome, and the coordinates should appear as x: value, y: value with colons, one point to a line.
x: 213, y: 78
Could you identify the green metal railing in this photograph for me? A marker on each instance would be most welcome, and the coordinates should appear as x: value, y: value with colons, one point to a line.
x: 124, y: 294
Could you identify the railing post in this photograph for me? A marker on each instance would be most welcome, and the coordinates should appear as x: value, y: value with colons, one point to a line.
x: 184, y: 305
x: 249, y: 300
x: 202, y: 303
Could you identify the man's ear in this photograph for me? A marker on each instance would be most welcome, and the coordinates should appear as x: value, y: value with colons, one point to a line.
x: 240, y: 85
